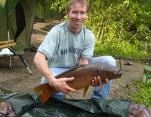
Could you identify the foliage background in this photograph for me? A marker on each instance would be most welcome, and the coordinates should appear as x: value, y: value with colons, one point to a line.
x: 122, y: 27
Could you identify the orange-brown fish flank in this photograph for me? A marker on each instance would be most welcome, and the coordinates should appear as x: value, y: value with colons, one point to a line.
x: 83, y: 76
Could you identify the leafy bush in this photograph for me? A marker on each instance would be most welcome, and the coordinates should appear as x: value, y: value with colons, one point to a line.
x: 118, y: 48
x: 122, y: 27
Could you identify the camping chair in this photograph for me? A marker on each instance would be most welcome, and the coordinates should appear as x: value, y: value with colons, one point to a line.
x: 16, y: 24
x: 8, y: 45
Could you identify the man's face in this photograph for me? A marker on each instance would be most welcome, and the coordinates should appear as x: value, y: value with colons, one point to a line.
x: 77, y: 16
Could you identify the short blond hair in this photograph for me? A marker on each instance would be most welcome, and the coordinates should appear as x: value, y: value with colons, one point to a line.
x: 72, y: 2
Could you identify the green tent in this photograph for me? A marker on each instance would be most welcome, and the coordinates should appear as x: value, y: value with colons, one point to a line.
x: 16, y: 22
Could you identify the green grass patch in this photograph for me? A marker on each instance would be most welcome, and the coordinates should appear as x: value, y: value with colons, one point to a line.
x: 119, y: 49
x: 140, y: 92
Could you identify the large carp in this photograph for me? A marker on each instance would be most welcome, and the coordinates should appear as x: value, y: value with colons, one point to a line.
x: 83, y: 76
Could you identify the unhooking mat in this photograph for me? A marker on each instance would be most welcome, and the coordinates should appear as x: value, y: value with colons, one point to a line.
x: 27, y: 105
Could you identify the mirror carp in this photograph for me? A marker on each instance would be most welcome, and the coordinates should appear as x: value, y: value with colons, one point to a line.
x: 83, y: 76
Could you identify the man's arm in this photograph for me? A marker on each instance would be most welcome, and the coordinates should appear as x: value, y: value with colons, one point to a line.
x: 59, y: 84
x: 42, y: 65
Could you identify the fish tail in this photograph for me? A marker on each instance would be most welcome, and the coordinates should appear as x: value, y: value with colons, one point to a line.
x: 44, y: 97
x: 45, y: 91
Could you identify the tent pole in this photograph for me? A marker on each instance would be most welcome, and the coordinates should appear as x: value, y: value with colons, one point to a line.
x: 8, y: 35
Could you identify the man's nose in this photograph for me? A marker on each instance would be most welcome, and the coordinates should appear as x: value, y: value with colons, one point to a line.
x: 78, y: 16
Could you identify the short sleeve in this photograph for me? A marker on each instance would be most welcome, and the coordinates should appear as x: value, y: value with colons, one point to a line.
x: 88, y: 46
x: 48, y: 46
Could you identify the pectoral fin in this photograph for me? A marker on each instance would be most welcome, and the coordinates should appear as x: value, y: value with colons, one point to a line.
x: 84, y: 91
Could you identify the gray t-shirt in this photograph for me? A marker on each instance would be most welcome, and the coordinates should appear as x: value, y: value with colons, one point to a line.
x: 64, y: 48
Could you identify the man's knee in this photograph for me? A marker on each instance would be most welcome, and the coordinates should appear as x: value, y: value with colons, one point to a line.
x: 110, y: 60
x: 104, y: 60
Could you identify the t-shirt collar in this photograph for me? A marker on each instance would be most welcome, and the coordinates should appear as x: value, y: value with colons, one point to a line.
x: 71, y: 31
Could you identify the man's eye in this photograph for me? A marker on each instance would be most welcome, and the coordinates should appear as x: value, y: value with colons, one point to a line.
x: 82, y: 13
x: 74, y: 12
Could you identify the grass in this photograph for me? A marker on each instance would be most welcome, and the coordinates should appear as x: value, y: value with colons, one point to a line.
x: 139, y: 92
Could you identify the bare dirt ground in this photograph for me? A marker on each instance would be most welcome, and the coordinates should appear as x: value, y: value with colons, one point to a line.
x: 18, y: 79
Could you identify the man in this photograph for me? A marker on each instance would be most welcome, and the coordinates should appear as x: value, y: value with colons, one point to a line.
x: 67, y: 45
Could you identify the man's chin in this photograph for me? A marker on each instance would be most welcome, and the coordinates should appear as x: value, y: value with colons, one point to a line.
x: 78, y: 26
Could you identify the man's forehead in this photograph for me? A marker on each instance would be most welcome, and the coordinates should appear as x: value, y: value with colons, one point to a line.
x: 78, y: 5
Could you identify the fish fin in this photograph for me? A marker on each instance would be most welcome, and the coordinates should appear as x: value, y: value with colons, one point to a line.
x: 44, y: 97
x: 40, y: 89
x: 45, y: 91
x: 84, y: 91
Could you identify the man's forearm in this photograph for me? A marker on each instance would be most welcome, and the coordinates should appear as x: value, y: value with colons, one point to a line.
x: 42, y: 66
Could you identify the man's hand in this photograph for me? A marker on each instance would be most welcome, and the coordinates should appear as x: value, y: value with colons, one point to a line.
x: 97, y: 81
x: 61, y: 85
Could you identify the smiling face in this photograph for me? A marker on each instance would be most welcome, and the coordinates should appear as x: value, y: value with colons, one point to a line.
x: 77, y: 15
